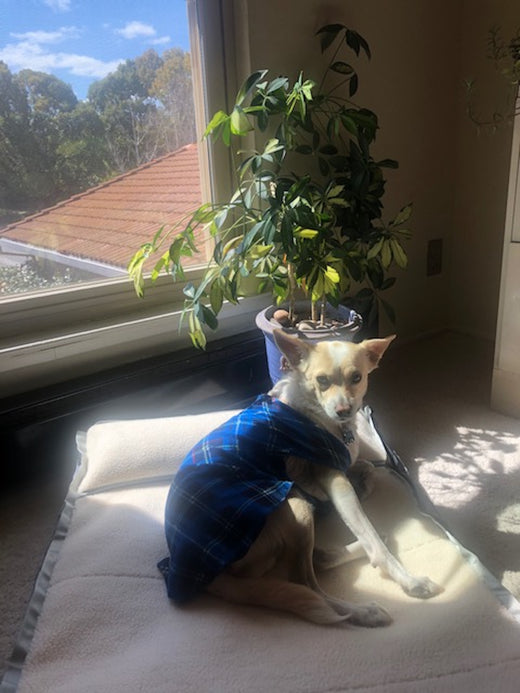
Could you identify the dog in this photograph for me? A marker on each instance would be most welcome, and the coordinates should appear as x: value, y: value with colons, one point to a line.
x: 242, y: 509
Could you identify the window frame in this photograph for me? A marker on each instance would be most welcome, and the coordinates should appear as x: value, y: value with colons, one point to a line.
x: 53, y: 335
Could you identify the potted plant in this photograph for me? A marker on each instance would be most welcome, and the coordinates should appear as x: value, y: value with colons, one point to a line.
x: 305, y: 218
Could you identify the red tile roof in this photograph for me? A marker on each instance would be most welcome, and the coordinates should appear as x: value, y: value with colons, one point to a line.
x: 108, y: 223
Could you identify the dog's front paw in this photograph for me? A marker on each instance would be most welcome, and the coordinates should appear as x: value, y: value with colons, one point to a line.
x: 422, y: 588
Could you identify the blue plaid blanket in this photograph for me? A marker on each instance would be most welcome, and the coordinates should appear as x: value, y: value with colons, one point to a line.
x: 229, y: 483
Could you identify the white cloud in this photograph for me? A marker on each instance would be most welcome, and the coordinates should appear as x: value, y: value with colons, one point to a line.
x: 58, y: 5
x: 32, y: 52
x: 160, y: 41
x: 133, y: 30
x: 37, y: 37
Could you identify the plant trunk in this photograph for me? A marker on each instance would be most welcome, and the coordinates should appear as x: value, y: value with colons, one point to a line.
x: 292, y: 292
x: 323, y: 310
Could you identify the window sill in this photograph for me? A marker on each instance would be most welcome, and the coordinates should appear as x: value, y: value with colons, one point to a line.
x: 45, y: 357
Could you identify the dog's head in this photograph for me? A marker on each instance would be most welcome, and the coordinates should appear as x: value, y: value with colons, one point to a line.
x: 334, y: 375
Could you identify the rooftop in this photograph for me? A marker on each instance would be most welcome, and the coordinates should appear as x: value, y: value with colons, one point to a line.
x: 108, y: 223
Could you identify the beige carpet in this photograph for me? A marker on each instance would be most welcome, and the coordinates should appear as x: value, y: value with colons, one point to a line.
x: 431, y: 403
x: 466, y: 456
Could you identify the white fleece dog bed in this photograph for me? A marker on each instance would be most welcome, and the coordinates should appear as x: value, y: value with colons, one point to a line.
x: 100, y: 619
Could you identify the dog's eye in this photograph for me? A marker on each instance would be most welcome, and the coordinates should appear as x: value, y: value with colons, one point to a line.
x: 356, y: 378
x: 323, y: 381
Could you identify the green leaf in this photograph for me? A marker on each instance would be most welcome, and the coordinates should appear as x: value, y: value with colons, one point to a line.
x: 403, y: 216
x: 273, y: 145
x: 356, y: 42
x: 196, y: 333
x: 189, y: 290
x: 160, y: 265
x: 352, y: 39
x: 216, y: 297
x: 216, y: 122
x: 328, y: 34
x: 209, y: 317
x: 399, y: 254
x: 276, y: 84
x: 175, y: 250
x: 239, y: 122
x: 386, y: 254
x: 387, y: 163
x: 349, y: 124
x: 375, y: 249
x: 198, y: 338
x: 328, y: 150
x: 388, y: 283
x: 249, y: 84
x: 342, y: 67
x: 306, y: 233
x: 332, y: 274
x: 353, y: 84
x: 364, y: 45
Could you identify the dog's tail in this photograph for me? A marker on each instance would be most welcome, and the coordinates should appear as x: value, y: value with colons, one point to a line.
x: 276, y: 594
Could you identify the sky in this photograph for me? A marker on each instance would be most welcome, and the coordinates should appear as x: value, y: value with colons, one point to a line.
x: 81, y: 41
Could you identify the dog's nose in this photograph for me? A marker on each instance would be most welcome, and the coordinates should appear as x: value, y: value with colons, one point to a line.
x: 343, y: 411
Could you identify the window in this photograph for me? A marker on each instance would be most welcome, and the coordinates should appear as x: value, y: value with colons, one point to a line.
x: 79, y: 327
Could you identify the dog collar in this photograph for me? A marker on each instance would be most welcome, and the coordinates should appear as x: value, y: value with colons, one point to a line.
x: 348, y: 436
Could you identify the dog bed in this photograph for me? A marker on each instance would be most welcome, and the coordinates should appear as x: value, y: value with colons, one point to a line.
x: 100, y: 620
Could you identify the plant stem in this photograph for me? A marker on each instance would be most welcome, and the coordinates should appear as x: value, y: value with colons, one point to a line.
x: 314, y: 314
x: 292, y: 291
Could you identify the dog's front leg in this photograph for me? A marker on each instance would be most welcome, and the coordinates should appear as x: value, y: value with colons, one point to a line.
x: 344, y: 499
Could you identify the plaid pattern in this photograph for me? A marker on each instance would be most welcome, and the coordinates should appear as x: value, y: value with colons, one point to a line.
x: 229, y: 483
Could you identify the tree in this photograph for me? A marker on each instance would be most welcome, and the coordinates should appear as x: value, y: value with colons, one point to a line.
x: 82, y: 158
x: 172, y: 86
x: 49, y: 142
x: 14, y: 124
x: 146, y: 106
x: 45, y: 94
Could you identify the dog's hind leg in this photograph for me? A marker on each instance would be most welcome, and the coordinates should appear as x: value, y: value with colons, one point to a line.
x: 276, y: 594
x: 297, y: 599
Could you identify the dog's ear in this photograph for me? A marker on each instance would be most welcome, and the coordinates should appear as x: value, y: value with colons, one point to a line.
x: 293, y: 348
x: 375, y: 349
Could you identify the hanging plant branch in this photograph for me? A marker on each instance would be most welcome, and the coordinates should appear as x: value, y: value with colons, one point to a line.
x: 505, y: 55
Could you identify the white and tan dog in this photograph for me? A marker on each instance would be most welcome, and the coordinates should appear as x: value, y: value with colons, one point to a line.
x: 327, y: 382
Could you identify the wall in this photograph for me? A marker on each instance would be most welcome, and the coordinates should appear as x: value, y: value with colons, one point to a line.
x: 455, y: 177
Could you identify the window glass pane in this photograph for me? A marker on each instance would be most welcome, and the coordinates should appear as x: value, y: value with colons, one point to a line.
x: 96, y: 136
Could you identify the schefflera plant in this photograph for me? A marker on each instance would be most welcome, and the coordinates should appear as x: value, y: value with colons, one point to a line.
x: 305, y: 217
